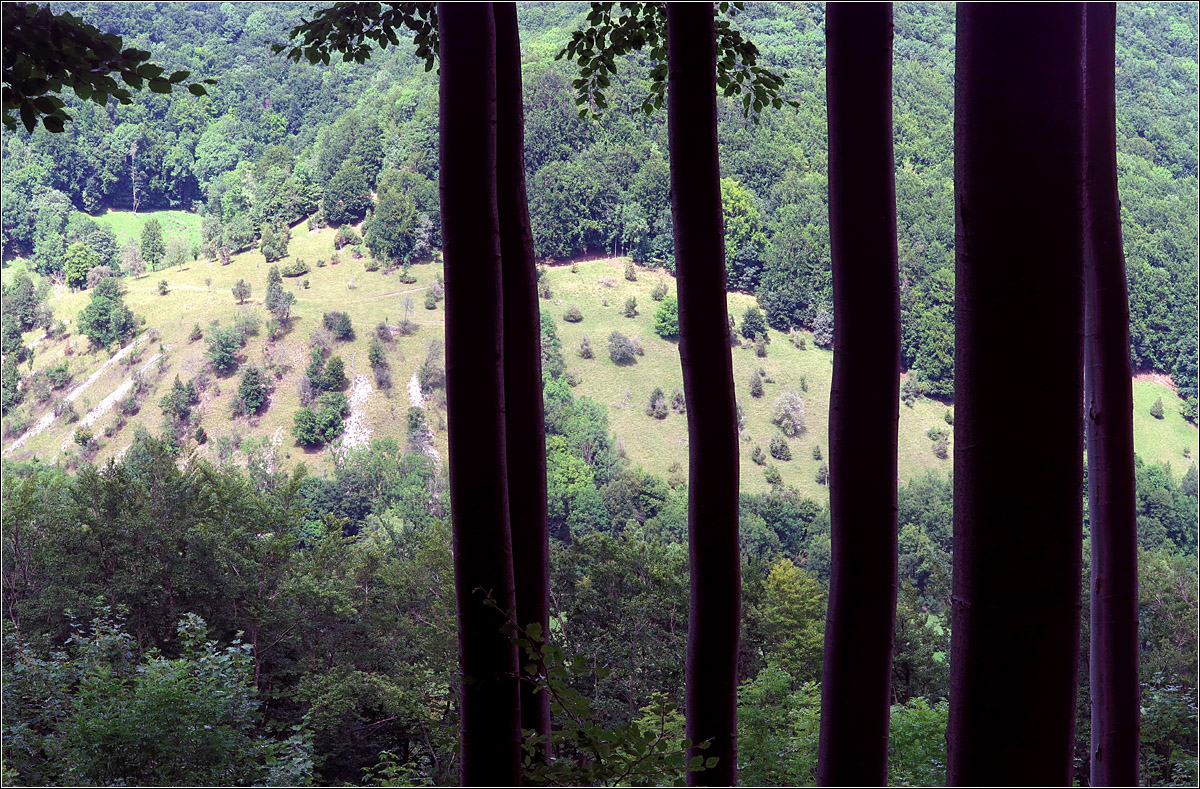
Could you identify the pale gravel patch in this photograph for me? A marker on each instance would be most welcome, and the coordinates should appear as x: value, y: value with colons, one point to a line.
x: 357, y: 434
x: 48, y: 417
x: 414, y: 392
x: 107, y: 403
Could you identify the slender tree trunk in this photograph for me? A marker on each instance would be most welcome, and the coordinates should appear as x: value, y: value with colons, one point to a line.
x: 864, y: 404
x: 490, y: 711
x: 1108, y: 381
x: 711, y: 696
x: 1018, y: 454
x: 525, y: 425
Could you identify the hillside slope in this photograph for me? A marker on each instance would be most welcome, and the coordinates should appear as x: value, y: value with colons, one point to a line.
x: 200, y: 293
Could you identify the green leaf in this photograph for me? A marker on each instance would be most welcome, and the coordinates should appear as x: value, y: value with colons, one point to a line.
x: 197, y: 90
x: 159, y: 85
x: 180, y: 76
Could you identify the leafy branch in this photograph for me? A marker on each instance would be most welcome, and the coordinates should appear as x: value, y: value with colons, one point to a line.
x: 349, y: 28
x: 618, y: 29
x: 45, y: 52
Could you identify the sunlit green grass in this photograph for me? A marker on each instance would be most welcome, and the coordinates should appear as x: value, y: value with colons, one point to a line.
x: 128, y: 225
x: 200, y: 293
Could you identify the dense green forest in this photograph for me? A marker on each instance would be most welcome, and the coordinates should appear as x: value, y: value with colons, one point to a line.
x: 171, y: 622
x: 275, y: 140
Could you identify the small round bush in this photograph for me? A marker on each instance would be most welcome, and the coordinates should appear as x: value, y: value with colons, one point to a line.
x: 573, y: 315
x: 780, y: 449
x: 620, y: 348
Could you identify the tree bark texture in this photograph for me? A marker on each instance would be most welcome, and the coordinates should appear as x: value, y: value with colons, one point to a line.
x: 524, y: 421
x: 864, y: 403
x: 490, y: 710
x: 1108, y: 384
x: 1019, y: 312
x: 711, y: 694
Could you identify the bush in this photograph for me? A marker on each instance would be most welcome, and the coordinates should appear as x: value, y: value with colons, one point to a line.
x: 178, y: 401
x: 247, y: 322
x: 431, y: 374
x: 334, y: 377
x: 314, y: 427
x: 911, y: 389
x: 630, y: 308
x: 773, y: 476
x: 789, y: 414
x: 630, y: 272
x: 252, y: 391
x: 196, y: 334
x: 163, y: 287
x: 375, y: 354
x: 585, y: 348
x: 949, y: 417
x: 822, y: 329
x: 941, y: 447
x: 298, y: 269
x: 371, y: 265
x: 620, y: 348
x: 1156, y: 410
x: 83, y: 437
x: 823, y: 474
x: 430, y: 301
x: 637, y: 345
x: 760, y: 347
x: 754, y: 325
x: 816, y: 453
x: 59, y: 375
x: 544, y: 291
x: 573, y: 315
x: 346, y: 235
x: 223, y: 345
x: 241, y: 291
x: 666, y: 319
x: 656, y: 406
x: 201, y: 435
x: 660, y: 290
x: 758, y: 456
x: 338, y: 324
x: 383, y: 332
x: 678, y: 401
x: 780, y: 450
x: 97, y: 273
x: 756, y: 384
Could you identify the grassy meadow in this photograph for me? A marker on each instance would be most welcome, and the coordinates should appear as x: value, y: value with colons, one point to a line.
x: 200, y: 293
x: 128, y: 225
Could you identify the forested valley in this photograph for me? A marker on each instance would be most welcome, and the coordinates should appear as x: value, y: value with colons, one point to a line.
x: 226, y: 510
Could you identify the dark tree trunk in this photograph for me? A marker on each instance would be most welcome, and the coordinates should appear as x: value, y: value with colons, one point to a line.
x: 708, y: 386
x: 864, y: 403
x: 490, y: 712
x: 1108, y: 381
x: 1018, y: 159
x: 524, y: 422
